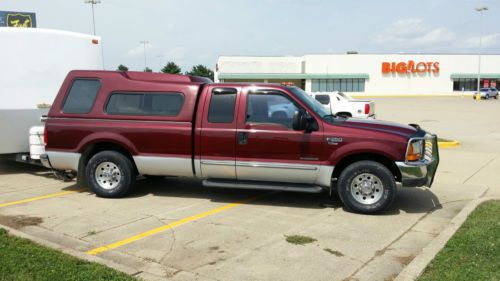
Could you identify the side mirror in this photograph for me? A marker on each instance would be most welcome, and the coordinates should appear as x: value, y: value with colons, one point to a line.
x: 299, y: 122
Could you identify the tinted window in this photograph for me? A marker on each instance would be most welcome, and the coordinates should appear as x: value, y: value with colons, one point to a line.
x: 323, y: 99
x: 163, y: 104
x: 270, y: 108
x: 221, y: 108
x: 81, y: 96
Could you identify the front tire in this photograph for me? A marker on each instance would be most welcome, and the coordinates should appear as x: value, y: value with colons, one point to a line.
x: 110, y: 174
x: 366, y: 187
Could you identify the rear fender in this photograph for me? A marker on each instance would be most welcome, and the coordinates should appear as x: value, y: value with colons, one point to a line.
x: 108, y: 138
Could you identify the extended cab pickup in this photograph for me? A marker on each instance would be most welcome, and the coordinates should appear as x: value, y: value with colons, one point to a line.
x: 110, y: 127
x: 341, y: 104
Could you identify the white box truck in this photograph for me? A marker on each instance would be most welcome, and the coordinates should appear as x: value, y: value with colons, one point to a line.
x: 34, y: 63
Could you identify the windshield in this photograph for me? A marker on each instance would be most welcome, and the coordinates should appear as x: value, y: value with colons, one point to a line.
x: 313, y: 104
x: 484, y: 89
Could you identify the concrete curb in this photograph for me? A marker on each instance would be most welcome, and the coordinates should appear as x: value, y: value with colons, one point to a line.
x: 417, y: 266
x: 80, y: 255
x: 448, y: 144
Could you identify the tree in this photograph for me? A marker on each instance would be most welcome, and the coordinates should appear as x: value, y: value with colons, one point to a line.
x: 147, y: 69
x: 201, y: 70
x: 172, y: 68
x: 122, y: 67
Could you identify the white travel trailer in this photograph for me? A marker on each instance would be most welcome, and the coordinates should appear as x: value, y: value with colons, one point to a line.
x: 34, y: 63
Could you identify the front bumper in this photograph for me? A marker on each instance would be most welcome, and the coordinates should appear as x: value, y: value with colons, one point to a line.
x: 421, y: 173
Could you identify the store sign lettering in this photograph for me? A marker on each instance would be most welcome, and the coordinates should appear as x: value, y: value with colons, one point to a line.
x: 410, y: 67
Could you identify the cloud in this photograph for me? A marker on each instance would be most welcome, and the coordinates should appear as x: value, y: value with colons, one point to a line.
x: 138, y: 51
x: 176, y: 54
x: 489, y: 40
x: 413, y: 32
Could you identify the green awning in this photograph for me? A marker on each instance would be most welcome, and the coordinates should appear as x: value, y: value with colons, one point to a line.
x: 292, y: 75
x: 474, y: 75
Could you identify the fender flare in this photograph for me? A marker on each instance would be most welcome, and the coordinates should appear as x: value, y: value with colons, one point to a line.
x: 362, y: 147
x: 107, y: 137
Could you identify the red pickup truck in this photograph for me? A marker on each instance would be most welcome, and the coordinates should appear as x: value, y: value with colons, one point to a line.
x: 110, y: 127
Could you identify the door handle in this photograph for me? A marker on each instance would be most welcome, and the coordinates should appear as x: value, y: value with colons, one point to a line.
x: 242, y: 138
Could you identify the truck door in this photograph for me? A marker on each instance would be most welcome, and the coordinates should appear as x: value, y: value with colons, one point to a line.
x: 268, y: 149
x: 218, y: 133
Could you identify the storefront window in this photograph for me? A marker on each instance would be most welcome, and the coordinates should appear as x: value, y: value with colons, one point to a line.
x: 340, y: 85
x: 470, y: 84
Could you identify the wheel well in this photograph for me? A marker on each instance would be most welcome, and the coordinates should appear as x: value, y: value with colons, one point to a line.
x: 95, y: 148
x: 367, y: 156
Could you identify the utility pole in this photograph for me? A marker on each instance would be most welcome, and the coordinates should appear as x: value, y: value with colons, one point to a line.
x: 93, y: 2
x: 144, y: 43
x: 480, y: 10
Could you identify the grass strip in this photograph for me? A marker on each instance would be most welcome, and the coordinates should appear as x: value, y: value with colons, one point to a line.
x: 22, y: 259
x: 473, y: 253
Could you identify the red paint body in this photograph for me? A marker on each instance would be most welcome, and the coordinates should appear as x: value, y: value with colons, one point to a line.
x: 189, y: 135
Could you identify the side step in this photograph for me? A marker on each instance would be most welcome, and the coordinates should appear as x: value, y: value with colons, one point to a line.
x: 294, y: 187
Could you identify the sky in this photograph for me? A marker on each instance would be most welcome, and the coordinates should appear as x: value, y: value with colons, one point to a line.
x: 191, y: 32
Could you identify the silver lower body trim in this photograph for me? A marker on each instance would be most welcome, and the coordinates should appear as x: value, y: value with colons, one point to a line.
x: 324, y: 177
x: 276, y: 172
x: 276, y: 165
x: 223, y: 169
x: 64, y: 160
x: 164, y: 166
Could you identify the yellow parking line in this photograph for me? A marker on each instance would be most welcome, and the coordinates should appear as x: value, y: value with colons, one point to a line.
x: 169, y: 226
x: 36, y: 198
x: 448, y: 144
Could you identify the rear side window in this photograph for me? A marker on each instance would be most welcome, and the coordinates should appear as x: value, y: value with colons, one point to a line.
x: 221, y: 108
x: 323, y: 99
x: 162, y: 104
x: 81, y: 96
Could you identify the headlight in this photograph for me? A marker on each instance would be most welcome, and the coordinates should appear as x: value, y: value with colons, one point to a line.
x: 415, y: 150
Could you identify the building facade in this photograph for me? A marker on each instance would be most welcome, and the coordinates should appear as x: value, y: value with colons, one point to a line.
x: 367, y: 74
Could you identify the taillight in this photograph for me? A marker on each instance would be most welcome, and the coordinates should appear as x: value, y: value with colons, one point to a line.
x: 367, y: 108
x: 45, y: 139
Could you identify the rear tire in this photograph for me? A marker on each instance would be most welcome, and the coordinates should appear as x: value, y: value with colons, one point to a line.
x: 110, y: 174
x: 366, y: 187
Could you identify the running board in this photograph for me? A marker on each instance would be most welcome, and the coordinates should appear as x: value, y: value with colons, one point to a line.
x: 294, y: 187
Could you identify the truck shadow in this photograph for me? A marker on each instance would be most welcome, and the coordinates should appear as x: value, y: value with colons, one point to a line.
x: 409, y: 200
x: 11, y: 167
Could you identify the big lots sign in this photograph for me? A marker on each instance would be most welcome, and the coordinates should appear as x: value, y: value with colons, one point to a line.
x: 410, y: 67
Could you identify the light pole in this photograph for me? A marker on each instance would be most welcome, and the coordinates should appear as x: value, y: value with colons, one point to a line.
x: 480, y: 10
x: 144, y: 42
x: 160, y: 58
x: 93, y: 2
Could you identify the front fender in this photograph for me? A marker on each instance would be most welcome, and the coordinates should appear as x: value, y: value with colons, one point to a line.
x: 359, y: 147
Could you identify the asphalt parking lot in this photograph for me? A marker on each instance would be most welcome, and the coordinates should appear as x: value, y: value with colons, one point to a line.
x: 175, y: 228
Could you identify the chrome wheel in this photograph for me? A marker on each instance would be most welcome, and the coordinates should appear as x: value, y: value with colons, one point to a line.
x: 367, y: 188
x: 108, y: 175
